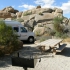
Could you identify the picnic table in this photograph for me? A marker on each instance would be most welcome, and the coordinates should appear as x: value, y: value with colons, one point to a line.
x: 52, y: 44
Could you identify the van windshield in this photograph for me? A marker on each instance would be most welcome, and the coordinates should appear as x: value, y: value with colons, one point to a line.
x: 22, y: 29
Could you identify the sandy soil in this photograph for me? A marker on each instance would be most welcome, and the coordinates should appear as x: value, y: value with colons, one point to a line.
x: 61, y: 61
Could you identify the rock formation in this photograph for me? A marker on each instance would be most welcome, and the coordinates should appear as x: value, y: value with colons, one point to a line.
x: 42, y: 17
x: 8, y: 12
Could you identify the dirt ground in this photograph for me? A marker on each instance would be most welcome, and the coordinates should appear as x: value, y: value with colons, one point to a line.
x: 61, y: 61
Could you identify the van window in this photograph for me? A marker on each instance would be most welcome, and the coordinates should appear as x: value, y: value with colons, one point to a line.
x: 16, y: 29
x: 23, y: 29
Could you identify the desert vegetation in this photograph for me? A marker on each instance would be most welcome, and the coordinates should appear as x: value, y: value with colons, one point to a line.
x: 35, y: 18
x: 57, y: 32
x: 27, y: 13
x: 59, y: 28
x: 8, y: 40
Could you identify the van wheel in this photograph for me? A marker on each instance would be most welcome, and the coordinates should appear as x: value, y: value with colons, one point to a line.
x: 31, y: 39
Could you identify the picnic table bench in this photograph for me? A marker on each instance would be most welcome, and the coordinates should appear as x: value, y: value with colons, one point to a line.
x: 60, y: 48
x: 52, y: 44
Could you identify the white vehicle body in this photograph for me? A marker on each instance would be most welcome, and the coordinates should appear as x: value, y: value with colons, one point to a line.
x: 23, y: 34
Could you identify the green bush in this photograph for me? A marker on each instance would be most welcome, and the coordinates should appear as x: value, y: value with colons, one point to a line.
x: 58, y: 34
x: 42, y: 39
x: 8, y: 39
x: 52, y: 33
x: 58, y: 27
x: 37, y: 33
x: 6, y: 33
x: 20, y: 20
x: 64, y: 36
x: 57, y: 24
x: 40, y: 13
x: 27, y: 13
x: 13, y: 19
x: 61, y: 35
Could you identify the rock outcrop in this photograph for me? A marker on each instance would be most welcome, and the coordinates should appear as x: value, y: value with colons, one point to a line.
x: 39, y: 31
x: 36, y: 17
x: 8, y: 12
x: 65, y: 21
x: 40, y: 15
x: 4, y: 14
x: 19, y: 14
x: 10, y: 9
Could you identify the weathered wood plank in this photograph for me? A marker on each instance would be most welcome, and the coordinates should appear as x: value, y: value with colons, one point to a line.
x: 49, y: 43
x: 61, y: 48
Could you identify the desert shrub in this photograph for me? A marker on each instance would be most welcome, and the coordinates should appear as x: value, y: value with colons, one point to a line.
x: 64, y: 36
x: 58, y: 34
x: 61, y: 35
x: 13, y: 19
x: 27, y: 13
x: 8, y: 39
x: 57, y: 24
x: 1, y: 18
x: 52, y: 33
x: 66, y: 39
x: 6, y: 33
x: 42, y: 39
x: 40, y: 13
x: 37, y: 33
x: 49, y: 31
x: 20, y: 20
x: 58, y: 27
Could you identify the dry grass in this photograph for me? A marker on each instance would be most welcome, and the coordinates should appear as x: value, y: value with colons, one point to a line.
x: 46, y: 34
x: 67, y: 40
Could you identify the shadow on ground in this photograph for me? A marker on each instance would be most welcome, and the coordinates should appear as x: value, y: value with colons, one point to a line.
x: 65, y: 52
x: 5, y: 61
x: 31, y: 51
x: 26, y: 42
x: 28, y: 51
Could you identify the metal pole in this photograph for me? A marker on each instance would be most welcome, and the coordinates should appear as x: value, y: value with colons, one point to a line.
x: 25, y: 68
x: 18, y: 54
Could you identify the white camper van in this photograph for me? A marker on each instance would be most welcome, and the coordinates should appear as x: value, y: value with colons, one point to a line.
x: 22, y: 32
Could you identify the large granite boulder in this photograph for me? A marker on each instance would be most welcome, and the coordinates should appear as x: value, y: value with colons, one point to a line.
x: 13, y: 15
x: 4, y: 14
x: 46, y: 10
x: 39, y: 31
x: 32, y: 16
x: 59, y: 10
x: 69, y: 20
x: 25, y: 17
x: 45, y: 17
x: 65, y: 21
x: 40, y: 15
x: 19, y: 14
x: 41, y: 10
x: 10, y: 9
x: 38, y: 6
x: 30, y: 24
